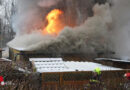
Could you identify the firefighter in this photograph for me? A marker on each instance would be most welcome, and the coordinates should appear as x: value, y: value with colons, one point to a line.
x: 95, y: 81
x: 96, y: 76
x: 127, y: 81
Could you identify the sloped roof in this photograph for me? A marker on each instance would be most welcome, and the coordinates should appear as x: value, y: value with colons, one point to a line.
x: 58, y: 65
x: 50, y: 64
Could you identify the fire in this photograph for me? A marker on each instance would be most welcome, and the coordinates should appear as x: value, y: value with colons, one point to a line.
x: 55, y: 24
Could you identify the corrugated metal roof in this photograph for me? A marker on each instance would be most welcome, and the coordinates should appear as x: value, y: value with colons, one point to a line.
x: 58, y: 65
x: 49, y: 64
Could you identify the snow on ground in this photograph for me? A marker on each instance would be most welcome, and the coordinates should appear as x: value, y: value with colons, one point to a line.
x: 58, y: 65
x: 22, y: 70
x: 5, y: 59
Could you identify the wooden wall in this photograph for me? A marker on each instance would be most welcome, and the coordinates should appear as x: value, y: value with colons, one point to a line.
x: 77, y: 80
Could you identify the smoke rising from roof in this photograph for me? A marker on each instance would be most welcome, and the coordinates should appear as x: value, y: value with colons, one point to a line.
x: 121, y: 30
x: 47, y: 3
x: 30, y: 15
x: 90, y: 37
x: 108, y: 29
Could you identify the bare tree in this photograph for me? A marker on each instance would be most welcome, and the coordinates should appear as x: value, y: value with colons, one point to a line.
x: 7, y: 32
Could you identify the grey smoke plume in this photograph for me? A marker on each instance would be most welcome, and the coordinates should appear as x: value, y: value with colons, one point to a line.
x: 47, y: 3
x: 108, y: 29
x: 30, y: 15
x: 90, y: 37
x: 121, y: 30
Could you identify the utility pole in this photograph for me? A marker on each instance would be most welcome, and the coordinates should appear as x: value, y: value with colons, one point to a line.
x: 0, y: 33
x: 0, y: 37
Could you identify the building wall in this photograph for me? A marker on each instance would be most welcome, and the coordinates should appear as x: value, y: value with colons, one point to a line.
x: 25, y: 55
x: 13, y: 53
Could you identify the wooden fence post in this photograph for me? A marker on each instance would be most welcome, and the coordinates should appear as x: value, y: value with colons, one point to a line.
x: 61, y: 80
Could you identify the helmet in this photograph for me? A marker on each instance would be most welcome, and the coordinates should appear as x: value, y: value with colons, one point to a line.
x: 97, y: 70
x: 127, y: 75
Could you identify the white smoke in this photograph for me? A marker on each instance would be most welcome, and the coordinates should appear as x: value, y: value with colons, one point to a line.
x: 108, y: 29
x: 90, y: 37
x: 121, y: 30
x: 30, y: 15
x: 22, y: 42
x: 47, y: 3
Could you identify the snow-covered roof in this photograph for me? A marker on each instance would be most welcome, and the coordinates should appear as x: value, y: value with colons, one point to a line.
x: 50, y: 64
x: 110, y: 59
x: 18, y: 48
x: 58, y: 65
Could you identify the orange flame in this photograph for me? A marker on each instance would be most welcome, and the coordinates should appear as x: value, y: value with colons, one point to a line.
x: 55, y: 25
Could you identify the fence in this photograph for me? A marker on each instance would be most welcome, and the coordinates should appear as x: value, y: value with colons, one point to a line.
x: 63, y: 80
x: 77, y: 80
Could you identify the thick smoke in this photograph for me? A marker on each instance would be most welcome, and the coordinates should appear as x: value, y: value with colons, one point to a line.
x: 121, y: 30
x: 108, y: 29
x: 90, y: 37
x: 30, y: 15
x: 47, y: 3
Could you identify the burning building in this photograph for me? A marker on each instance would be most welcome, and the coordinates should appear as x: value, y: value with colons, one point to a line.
x: 63, y: 28
x: 61, y: 31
